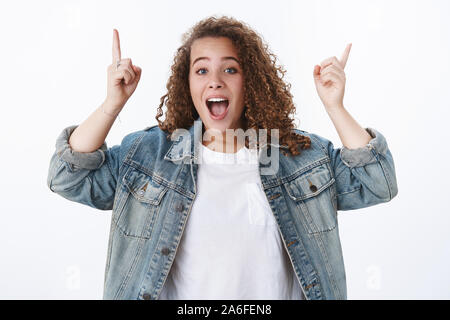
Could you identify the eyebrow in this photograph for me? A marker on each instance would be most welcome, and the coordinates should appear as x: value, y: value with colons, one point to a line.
x: 223, y: 58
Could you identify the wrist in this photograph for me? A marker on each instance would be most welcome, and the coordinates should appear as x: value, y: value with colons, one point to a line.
x: 111, y: 108
x: 334, y: 107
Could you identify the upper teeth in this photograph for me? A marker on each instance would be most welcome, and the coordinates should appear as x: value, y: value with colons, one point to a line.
x: 216, y: 100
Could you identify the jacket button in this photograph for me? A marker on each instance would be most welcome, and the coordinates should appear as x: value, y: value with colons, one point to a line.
x: 146, y: 296
x: 165, y: 251
x: 313, y: 188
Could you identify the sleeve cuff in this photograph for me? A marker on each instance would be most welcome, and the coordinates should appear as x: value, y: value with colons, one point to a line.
x: 85, y: 160
x: 365, y: 155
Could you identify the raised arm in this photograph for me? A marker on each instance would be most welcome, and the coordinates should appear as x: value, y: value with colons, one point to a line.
x: 122, y: 82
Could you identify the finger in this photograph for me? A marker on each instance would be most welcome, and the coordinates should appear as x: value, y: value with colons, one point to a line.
x: 123, y: 74
x: 330, y: 77
x: 316, y: 72
x: 336, y: 75
x: 116, y: 46
x: 331, y: 61
x: 126, y: 61
x: 332, y: 68
x: 325, y: 63
x: 344, y: 56
x: 138, y: 72
x: 127, y: 76
x: 132, y: 73
x: 126, y: 65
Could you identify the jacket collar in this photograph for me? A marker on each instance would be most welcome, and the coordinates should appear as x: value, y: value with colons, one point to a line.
x: 185, y: 143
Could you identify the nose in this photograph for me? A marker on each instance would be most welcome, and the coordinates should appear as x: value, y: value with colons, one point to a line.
x: 215, y: 82
x: 214, y: 85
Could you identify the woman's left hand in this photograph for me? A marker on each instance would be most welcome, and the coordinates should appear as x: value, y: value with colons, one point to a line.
x: 329, y: 78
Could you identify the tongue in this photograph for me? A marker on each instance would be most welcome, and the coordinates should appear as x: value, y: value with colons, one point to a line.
x: 218, y: 108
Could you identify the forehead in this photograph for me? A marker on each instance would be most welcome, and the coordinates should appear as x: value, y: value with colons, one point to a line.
x: 212, y: 46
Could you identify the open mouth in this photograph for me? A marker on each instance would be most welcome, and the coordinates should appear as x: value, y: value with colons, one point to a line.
x: 218, y: 107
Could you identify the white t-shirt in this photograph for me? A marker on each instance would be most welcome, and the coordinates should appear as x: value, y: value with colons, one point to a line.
x: 231, y: 247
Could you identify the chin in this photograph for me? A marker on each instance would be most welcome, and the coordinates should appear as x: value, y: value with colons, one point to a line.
x: 221, y: 125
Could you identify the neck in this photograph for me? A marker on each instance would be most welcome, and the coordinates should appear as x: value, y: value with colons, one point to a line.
x: 221, y: 144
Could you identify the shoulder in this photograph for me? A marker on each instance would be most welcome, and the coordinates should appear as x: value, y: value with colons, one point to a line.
x: 151, y: 132
x: 150, y: 141
x: 318, y: 142
x: 319, y: 145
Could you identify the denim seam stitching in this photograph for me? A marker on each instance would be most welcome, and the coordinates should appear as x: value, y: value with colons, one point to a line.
x: 305, y: 253
x: 346, y: 192
x: 160, y: 180
x: 150, y: 263
x: 53, y: 173
x: 328, y: 267
x: 110, y: 244
x: 126, y: 280
x: 77, y: 184
x: 120, y: 204
x: 110, y: 170
x: 324, y: 149
x: 386, y: 175
x: 166, y: 269
x: 323, y: 231
x: 299, y: 172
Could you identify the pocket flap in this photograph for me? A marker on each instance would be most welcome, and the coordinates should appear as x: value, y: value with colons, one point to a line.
x: 144, y: 187
x: 310, y: 183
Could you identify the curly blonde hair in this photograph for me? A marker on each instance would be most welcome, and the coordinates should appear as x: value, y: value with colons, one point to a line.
x: 267, y: 98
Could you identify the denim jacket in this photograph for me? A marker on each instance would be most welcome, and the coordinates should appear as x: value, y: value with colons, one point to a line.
x: 149, y: 183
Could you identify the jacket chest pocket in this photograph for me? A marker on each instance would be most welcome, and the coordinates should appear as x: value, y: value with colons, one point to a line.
x: 314, y: 193
x: 139, y: 205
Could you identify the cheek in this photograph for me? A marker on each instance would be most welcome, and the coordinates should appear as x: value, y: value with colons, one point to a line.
x: 238, y: 87
x: 238, y: 84
x: 195, y: 90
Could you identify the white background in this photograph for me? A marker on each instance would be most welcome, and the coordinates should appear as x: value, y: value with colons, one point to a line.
x: 54, y: 56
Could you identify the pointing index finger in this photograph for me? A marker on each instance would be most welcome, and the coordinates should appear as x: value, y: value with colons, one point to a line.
x: 116, y: 46
x: 344, y: 56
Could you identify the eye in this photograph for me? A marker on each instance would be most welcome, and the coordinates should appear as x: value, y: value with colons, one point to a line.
x: 234, y: 69
x: 200, y: 70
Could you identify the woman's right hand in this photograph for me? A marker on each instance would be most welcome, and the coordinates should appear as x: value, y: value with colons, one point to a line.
x: 122, y: 81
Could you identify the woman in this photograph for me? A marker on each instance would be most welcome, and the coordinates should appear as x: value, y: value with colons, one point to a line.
x: 216, y: 220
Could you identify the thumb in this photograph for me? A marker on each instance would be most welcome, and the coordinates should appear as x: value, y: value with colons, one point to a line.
x: 316, y: 72
x: 138, y: 71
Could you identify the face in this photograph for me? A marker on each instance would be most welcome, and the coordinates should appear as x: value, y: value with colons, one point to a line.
x: 215, y: 73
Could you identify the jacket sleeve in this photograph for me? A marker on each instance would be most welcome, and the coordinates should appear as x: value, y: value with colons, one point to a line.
x: 364, y: 176
x: 86, y: 178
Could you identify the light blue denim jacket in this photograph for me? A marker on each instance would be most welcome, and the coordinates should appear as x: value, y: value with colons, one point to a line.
x: 149, y: 183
